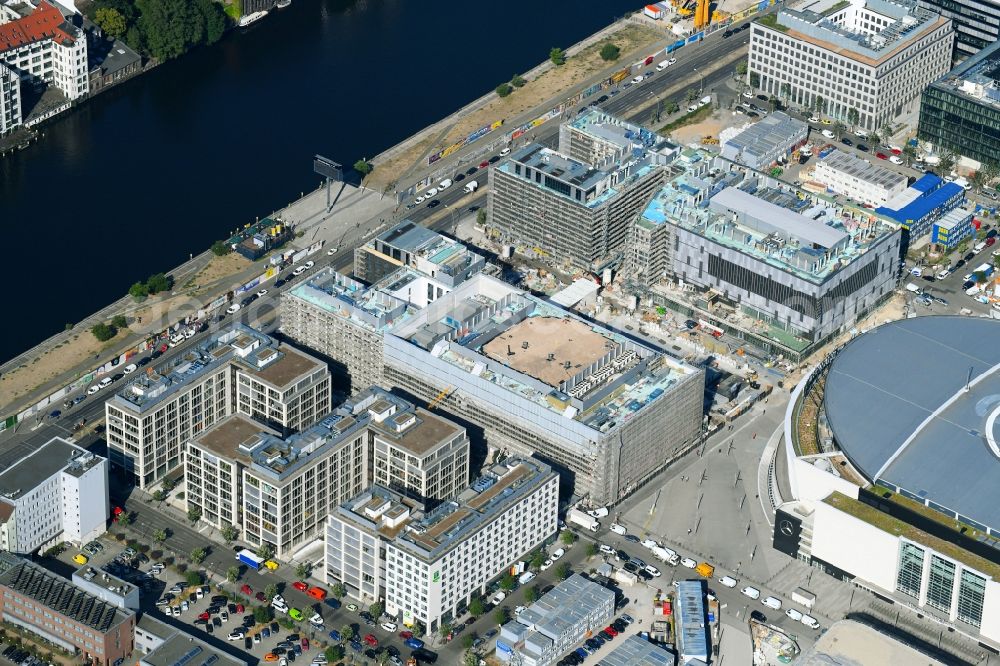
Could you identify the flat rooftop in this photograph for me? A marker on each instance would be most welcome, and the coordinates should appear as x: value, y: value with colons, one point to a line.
x: 41, y: 464
x: 637, y: 651
x: 230, y: 437
x: 863, y: 169
x: 428, y: 535
x: 551, y: 349
x: 289, y: 366
x: 806, y: 234
x: 182, y: 649
x: 110, y: 582
x: 610, y: 377
x: 850, y: 642
x: 418, y: 432
x: 914, y: 402
x: 603, y: 126
x: 977, y: 78
x: 770, y: 132
x: 370, y: 308
x: 445, y: 254
x: 692, y: 634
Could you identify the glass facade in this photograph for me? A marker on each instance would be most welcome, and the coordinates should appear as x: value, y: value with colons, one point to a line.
x: 940, y: 583
x: 971, y: 590
x: 911, y: 569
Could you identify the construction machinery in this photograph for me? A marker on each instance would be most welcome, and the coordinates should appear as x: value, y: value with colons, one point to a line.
x: 702, y: 15
x: 439, y: 397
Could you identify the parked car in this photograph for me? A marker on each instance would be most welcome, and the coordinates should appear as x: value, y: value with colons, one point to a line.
x: 728, y: 581
x: 772, y: 602
x: 751, y: 592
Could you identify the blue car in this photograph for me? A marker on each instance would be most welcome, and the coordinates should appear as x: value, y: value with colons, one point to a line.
x: 333, y: 603
x: 414, y: 643
x: 265, y: 632
x: 335, y: 635
x: 582, y: 652
x: 356, y: 646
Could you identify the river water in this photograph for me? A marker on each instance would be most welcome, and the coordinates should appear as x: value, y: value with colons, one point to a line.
x: 138, y: 178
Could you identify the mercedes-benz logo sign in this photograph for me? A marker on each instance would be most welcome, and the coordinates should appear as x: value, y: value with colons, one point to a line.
x: 786, y: 527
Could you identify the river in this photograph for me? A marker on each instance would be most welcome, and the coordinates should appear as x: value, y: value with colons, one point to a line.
x: 133, y: 181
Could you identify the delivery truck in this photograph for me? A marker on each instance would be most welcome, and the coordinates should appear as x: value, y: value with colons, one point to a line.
x: 666, y: 555
x: 248, y: 558
x: 471, y: 186
x: 583, y: 520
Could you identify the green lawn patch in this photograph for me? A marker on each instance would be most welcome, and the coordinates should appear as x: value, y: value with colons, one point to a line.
x: 691, y: 118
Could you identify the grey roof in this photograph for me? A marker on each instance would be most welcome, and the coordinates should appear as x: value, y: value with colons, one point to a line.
x: 408, y: 235
x: 778, y: 130
x: 182, y: 649
x: 863, y: 170
x: 764, y: 213
x: 976, y: 78
x: 63, y: 597
x: 565, y: 605
x: 692, y: 629
x: 637, y: 651
x: 887, y: 401
x: 49, y: 459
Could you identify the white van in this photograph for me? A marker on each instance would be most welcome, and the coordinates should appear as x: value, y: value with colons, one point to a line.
x: 618, y: 529
x: 794, y: 614
x: 771, y: 602
x: 663, y: 65
x: 471, y: 186
x: 526, y: 577
x: 979, y: 247
x: 810, y: 622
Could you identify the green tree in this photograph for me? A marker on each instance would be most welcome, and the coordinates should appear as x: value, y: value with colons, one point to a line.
x: 119, y: 321
x: 271, y: 591
x: 172, y: 27
x: 886, y: 133
x: 592, y: 549
x: 418, y: 629
x: 537, y: 559
x: 518, y: 81
x: 481, y: 216
x: 468, y: 640
x: 194, y: 513
x: 874, y: 139
x: 193, y: 578
x: 229, y: 533
x: 754, y: 80
x: 103, y: 332
x: 610, y: 52
x: 563, y: 571
x: 741, y: 70
x: 947, y: 163
x: 220, y: 249
x: 160, y: 535
x: 364, y: 167
x: 444, y: 629
x: 347, y: 633
x: 262, y: 614
x: 233, y: 574
x: 159, y: 282
x: 125, y: 519
x: 853, y: 116
x: 671, y: 107
x: 338, y: 591
x: 334, y: 653
x: 557, y: 56
x: 508, y: 582
x: 110, y: 21
x: 531, y: 594
x: 978, y: 180
x: 476, y: 607
x: 568, y: 537
x: 909, y: 153
x: 839, y: 128
x: 979, y: 277
x: 469, y: 658
x: 773, y: 102
x: 215, y: 20
x: 996, y: 262
x: 691, y: 95
x: 501, y: 615
x: 159, y: 495
x: 197, y: 555
x: 265, y: 551
x: 303, y: 570
x: 818, y: 105
x: 785, y: 90
x: 138, y: 291
x: 504, y: 89
x: 376, y: 609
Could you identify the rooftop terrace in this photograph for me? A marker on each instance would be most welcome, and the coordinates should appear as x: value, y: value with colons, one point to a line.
x: 606, y: 127
x: 556, y: 360
x: 372, y: 308
x: 806, y: 234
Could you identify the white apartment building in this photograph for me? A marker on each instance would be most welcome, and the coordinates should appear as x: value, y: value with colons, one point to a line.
x: 279, y: 491
x: 858, y: 179
x: 40, y: 48
x: 238, y: 370
x: 872, y: 57
x: 427, y: 565
x: 58, y: 493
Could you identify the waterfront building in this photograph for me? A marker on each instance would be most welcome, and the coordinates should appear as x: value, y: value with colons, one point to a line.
x: 238, y: 370
x: 564, y: 617
x: 54, y: 609
x: 551, y: 205
x: 604, y: 409
x: 57, y: 493
x: 764, y: 142
x: 865, y: 57
x: 426, y: 251
x: 858, y: 179
x: 279, y: 491
x: 345, y: 320
x: 961, y: 111
x: 427, y: 565
x: 749, y: 254
x: 897, y: 503
x: 598, y: 138
x: 42, y: 48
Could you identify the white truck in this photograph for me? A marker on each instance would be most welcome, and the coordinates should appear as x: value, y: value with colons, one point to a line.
x: 471, y: 186
x: 804, y: 597
x: 666, y: 555
x: 582, y: 519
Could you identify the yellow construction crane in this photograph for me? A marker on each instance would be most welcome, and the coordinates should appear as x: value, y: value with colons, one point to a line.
x: 439, y: 397
x: 702, y: 14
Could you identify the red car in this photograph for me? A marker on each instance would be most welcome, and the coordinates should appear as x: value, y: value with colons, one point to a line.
x: 611, y: 630
x: 305, y: 643
x: 990, y: 240
x: 204, y: 616
x: 483, y: 165
x: 260, y: 596
x: 371, y: 641
x: 317, y: 593
x: 240, y: 608
x: 881, y: 156
x: 246, y: 589
x: 300, y: 586
x: 406, y: 635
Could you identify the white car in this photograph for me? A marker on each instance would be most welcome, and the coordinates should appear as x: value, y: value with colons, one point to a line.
x: 310, y: 264
x: 810, y: 622
x: 652, y: 571
x: 828, y: 134
x: 638, y: 79
x: 234, y: 308
x: 444, y: 184
x: 176, y: 339
x: 606, y: 549
x: 689, y: 563
x: 93, y: 389
x: 419, y: 199
x: 794, y: 614
x: 300, y: 270
x: 728, y: 581
x: 895, y: 159
x: 748, y: 94
x: 618, y: 529
x: 943, y: 274
x: 190, y: 333
x: 662, y: 66
x: 813, y: 119
x: 130, y: 368
x: 599, y: 512
x: 431, y: 192
x: 106, y: 382
x: 545, y: 565
x: 505, y: 152
x: 277, y: 599
x: 236, y: 636
x: 498, y: 597
x: 389, y: 626
x: 557, y: 553
x: 262, y: 293
x: 772, y: 602
x: 751, y: 592
x: 175, y: 611
x: 316, y: 620
x: 519, y: 610
x: 332, y: 251
x: 672, y: 61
